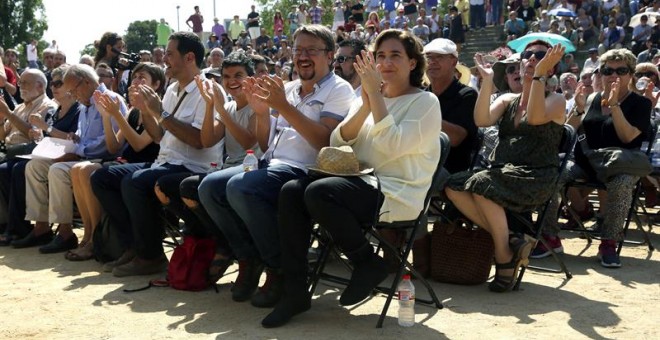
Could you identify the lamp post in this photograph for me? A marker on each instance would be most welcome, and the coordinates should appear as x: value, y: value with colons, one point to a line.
x: 177, y: 19
x: 214, y: 9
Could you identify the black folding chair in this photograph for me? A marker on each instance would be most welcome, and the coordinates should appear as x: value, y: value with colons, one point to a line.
x: 635, y: 206
x: 536, y: 228
x: 411, y: 228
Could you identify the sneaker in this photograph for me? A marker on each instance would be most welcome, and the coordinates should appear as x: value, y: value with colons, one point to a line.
x: 607, y: 254
x: 554, y: 242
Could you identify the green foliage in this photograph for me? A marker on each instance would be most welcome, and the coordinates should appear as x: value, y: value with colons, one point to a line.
x: 141, y: 35
x: 89, y: 49
x: 267, y: 8
x: 20, y: 22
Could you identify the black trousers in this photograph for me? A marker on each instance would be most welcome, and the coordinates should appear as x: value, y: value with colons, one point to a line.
x: 341, y: 205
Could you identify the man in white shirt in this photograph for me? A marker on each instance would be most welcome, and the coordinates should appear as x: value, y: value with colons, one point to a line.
x: 32, y: 54
x: 294, y: 122
x: 175, y: 124
x: 592, y: 62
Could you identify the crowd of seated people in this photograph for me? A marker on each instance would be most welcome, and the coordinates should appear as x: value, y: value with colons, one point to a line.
x: 149, y: 146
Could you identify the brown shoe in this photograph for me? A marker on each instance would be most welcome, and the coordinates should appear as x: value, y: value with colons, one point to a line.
x: 126, y: 257
x: 138, y: 266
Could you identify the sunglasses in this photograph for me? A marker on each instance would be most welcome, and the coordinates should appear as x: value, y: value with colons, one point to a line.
x: 511, y: 69
x: 56, y: 83
x: 644, y: 74
x: 342, y: 58
x: 608, y: 71
x: 538, y: 54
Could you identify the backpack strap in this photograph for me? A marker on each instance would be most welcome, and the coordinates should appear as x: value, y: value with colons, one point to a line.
x: 152, y: 283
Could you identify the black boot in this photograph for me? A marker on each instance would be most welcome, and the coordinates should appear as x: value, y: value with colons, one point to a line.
x: 289, y: 306
x: 249, y: 271
x: 271, y: 292
x: 369, y: 270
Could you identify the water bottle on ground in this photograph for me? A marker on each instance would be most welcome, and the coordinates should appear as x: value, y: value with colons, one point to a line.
x: 213, y: 168
x: 250, y: 162
x: 406, y: 291
x: 38, y: 134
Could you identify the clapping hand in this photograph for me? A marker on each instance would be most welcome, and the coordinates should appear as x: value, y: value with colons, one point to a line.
x: 271, y: 91
x: 369, y: 73
x: 255, y: 100
x: 551, y: 58
x: 648, y: 93
x: 108, y: 106
x: 204, y: 90
x: 485, y: 68
x: 615, y: 88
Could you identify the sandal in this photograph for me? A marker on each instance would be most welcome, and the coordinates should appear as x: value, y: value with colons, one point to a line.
x: 219, y: 266
x: 82, y: 253
x: 521, y: 246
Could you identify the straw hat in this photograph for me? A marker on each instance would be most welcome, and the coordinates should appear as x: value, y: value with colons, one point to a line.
x: 499, y: 69
x: 465, y: 74
x: 338, y: 161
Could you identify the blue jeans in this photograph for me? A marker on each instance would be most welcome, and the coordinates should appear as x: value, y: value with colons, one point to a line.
x: 477, y: 16
x: 496, y: 11
x: 137, y: 190
x: 244, y: 206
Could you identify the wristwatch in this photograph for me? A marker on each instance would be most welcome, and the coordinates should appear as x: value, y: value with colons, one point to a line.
x: 541, y: 79
x: 164, y: 115
x: 49, y: 130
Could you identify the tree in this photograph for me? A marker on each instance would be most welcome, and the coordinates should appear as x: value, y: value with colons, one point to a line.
x: 267, y: 10
x: 141, y: 35
x: 89, y: 49
x: 22, y: 21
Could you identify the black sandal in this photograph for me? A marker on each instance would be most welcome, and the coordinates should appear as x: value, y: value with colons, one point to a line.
x: 521, y: 246
x: 219, y: 266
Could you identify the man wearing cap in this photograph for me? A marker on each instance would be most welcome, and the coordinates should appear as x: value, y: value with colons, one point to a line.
x: 592, y: 62
x: 456, y: 102
x: 648, y: 54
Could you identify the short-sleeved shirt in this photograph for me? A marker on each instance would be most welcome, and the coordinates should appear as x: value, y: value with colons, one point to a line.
x: 526, y: 14
x: 235, y: 29
x: 233, y: 149
x: 332, y: 97
x: 253, y: 15
x: 359, y: 17
x: 411, y: 8
x: 68, y: 122
x: 146, y: 155
x: 457, y: 106
x: 190, y: 111
x: 315, y: 15
x: 12, y: 134
x: 196, y: 22
x: 600, y: 132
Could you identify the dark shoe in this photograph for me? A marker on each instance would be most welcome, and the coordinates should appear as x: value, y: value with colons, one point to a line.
x: 271, y: 292
x: 5, y: 240
x: 59, y: 244
x: 541, y: 251
x: 288, y: 307
x: 219, y: 266
x: 32, y: 240
x: 126, y: 257
x: 369, y: 270
x: 139, y: 266
x: 249, y: 271
x: 607, y: 254
x: 521, y: 246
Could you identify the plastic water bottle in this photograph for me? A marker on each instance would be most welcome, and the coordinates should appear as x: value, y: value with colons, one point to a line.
x: 38, y: 134
x: 213, y: 168
x: 641, y: 84
x: 406, y: 291
x: 250, y: 162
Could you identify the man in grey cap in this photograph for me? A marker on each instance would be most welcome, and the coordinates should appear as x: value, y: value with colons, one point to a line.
x: 456, y: 102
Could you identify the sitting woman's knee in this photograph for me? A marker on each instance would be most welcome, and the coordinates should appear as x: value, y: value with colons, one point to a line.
x: 190, y: 203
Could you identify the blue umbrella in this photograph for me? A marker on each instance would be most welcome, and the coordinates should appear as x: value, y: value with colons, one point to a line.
x: 562, y: 12
x: 519, y: 44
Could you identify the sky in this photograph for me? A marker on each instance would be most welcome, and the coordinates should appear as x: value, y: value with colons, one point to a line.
x: 76, y: 23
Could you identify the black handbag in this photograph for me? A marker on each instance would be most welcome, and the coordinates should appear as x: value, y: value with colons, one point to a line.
x: 11, y: 151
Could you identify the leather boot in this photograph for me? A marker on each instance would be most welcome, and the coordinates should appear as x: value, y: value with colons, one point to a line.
x: 249, y: 272
x: 369, y: 270
x: 395, y: 238
x: 271, y: 292
x: 422, y: 255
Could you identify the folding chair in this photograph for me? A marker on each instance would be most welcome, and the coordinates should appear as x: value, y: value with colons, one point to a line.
x: 635, y: 205
x: 536, y: 228
x: 411, y: 227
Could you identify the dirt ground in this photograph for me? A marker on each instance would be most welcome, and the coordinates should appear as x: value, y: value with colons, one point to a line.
x: 47, y: 297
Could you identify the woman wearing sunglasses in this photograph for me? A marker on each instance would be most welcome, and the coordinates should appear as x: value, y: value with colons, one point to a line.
x: 613, y: 117
x: 524, y: 163
x: 59, y: 125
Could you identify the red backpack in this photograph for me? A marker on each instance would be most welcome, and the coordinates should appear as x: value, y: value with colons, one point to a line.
x: 189, y: 266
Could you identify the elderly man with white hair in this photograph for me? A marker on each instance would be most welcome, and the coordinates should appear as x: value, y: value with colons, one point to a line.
x: 49, y: 195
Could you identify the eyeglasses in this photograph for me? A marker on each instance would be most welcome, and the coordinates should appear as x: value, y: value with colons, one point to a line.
x: 106, y: 76
x: 312, y: 52
x: 511, y: 69
x: 538, y: 54
x: 70, y: 92
x: 644, y: 74
x: 56, y: 83
x: 608, y: 71
x: 341, y: 59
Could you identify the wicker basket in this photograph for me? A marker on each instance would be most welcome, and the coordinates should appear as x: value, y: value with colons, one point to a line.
x: 460, y: 253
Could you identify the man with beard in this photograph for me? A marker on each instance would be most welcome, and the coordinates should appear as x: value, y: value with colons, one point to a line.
x: 456, y: 102
x: 343, y: 62
x: 244, y: 206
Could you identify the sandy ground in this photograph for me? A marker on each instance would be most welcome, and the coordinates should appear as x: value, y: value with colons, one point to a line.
x: 47, y: 297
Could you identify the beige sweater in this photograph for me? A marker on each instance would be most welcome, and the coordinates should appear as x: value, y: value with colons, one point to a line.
x: 403, y: 148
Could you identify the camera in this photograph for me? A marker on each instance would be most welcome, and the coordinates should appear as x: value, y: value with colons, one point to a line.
x: 126, y: 61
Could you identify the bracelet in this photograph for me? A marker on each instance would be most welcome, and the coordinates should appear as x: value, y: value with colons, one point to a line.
x: 613, y: 105
x: 578, y: 113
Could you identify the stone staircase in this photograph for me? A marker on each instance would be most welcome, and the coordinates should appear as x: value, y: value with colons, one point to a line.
x: 480, y: 41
